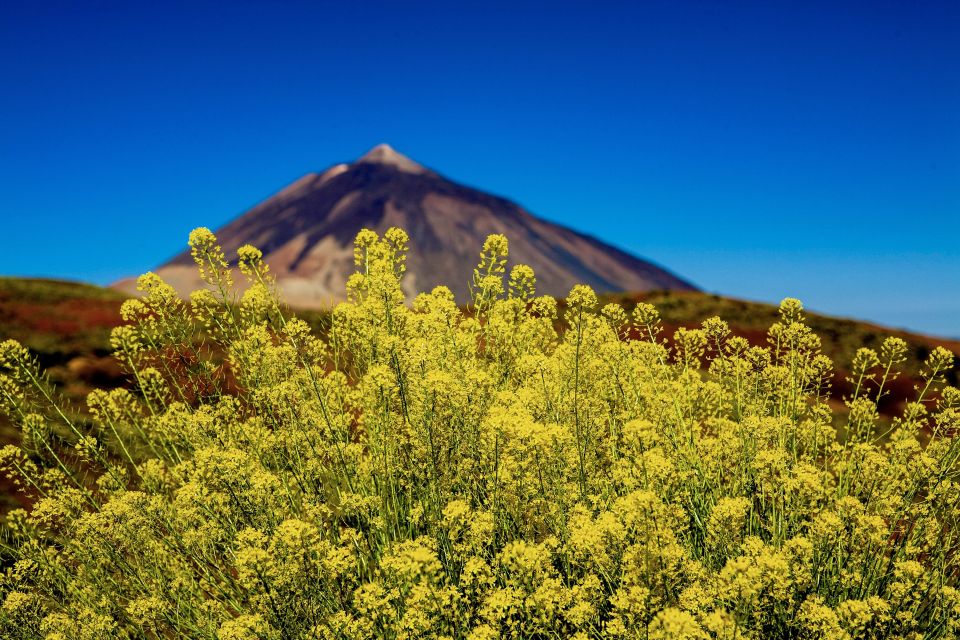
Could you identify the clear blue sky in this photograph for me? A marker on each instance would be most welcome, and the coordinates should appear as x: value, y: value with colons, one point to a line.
x: 760, y: 149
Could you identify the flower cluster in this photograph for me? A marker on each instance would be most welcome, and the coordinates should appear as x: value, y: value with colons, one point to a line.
x: 422, y: 470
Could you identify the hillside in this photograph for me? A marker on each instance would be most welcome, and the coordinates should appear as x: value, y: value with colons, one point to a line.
x: 66, y: 325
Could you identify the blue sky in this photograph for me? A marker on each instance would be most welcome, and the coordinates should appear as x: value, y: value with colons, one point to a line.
x: 759, y: 149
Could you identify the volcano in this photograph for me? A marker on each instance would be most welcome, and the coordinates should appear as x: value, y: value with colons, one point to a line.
x: 306, y: 233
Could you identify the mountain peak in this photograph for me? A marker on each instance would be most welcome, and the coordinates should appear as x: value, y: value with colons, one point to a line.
x: 306, y: 233
x: 386, y: 155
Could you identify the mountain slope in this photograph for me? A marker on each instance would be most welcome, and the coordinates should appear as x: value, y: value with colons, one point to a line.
x: 306, y: 232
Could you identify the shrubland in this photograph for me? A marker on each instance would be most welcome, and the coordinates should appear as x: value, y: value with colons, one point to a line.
x: 423, y: 471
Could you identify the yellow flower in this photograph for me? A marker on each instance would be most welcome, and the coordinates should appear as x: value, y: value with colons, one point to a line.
x: 674, y: 624
x: 395, y: 470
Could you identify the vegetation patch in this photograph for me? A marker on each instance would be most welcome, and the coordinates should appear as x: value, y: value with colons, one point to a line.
x: 526, y: 469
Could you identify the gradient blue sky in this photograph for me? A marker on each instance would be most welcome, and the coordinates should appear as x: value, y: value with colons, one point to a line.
x: 759, y: 149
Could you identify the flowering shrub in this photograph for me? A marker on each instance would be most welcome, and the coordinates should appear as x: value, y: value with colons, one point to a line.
x: 424, y: 472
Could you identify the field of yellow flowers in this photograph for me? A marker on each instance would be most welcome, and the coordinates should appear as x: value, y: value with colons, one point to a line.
x: 426, y: 472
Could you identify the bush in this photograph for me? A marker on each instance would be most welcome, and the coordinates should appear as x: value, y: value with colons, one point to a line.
x: 431, y: 472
